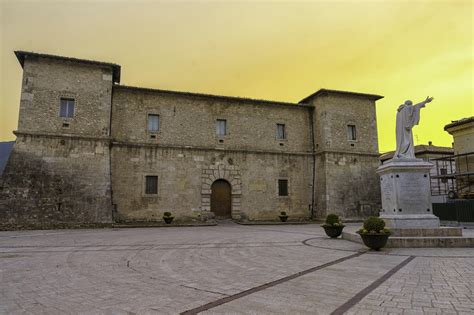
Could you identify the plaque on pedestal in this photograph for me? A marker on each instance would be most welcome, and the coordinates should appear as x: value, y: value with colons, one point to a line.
x: 406, y: 194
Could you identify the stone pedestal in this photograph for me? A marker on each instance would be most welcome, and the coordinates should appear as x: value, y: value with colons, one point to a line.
x: 406, y: 194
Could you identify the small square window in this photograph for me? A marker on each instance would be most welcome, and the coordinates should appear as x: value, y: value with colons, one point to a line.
x: 153, y: 123
x: 281, y: 133
x: 221, y: 127
x: 351, y: 132
x: 151, y: 185
x: 66, y: 108
x: 282, y: 187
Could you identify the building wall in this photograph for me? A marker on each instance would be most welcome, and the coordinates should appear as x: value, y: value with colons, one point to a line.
x: 55, y: 174
x: 346, y: 180
x: 56, y: 180
x: 191, y: 121
x: 46, y: 81
x: 185, y: 176
x: 186, y: 153
x: 463, y: 137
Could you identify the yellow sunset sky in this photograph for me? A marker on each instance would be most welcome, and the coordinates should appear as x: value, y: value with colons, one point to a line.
x: 267, y: 50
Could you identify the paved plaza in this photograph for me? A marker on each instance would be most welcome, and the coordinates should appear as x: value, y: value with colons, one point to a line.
x: 226, y: 269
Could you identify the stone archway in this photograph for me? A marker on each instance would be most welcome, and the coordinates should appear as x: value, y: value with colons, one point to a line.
x: 229, y: 173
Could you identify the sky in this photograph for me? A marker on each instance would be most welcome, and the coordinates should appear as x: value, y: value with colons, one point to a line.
x: 281, y: 51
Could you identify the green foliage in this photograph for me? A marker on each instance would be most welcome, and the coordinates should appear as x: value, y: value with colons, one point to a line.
x: 283, y: 214
x: 332, y: 219
x: 374, y: 225
x: 167, y: 214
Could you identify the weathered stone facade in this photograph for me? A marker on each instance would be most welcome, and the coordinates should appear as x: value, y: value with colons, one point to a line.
x: 91, y: 168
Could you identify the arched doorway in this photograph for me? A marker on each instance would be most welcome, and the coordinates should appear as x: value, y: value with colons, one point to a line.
x: 221, y: 199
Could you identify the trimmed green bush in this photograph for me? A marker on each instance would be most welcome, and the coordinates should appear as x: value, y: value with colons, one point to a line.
x: 374, y: 224
x: 332, y: 218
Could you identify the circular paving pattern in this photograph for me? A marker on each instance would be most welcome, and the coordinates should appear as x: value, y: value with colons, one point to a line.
x: 223, y: 269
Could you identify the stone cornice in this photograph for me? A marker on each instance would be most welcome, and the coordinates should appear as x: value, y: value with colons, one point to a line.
x: 60, y: 136
x: 199, y: 148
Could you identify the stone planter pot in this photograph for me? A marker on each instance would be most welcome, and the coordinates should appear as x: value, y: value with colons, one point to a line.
x: 168, y: 220
x: 333, y: 231
x: 283, y: 218
x: 375, y: 241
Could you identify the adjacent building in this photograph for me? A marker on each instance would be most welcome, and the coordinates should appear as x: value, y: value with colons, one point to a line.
x: 89, y: 150
x: 463, y: 136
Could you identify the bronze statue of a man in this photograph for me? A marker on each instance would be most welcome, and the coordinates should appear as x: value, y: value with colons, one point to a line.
x: 408, y: 116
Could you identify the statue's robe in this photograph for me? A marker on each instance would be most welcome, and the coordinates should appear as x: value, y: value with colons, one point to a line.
x: 407, y: 117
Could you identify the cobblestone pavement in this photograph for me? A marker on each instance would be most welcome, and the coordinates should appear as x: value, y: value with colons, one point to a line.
x: 225, y: 269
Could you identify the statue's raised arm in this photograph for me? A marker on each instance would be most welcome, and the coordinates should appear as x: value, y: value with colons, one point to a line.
x: 408, y: 116
x: 422, y: 104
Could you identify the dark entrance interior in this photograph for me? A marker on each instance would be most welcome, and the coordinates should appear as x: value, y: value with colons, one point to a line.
x: 221, y: 199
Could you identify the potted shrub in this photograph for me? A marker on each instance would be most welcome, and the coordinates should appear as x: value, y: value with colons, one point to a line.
x: 283, y: 216
x: 168, y: 217
x: 333, y: 225
x: 373, y: 233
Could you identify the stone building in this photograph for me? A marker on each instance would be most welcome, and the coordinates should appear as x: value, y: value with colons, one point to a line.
x: 90, y: 150
x: 463, y: 141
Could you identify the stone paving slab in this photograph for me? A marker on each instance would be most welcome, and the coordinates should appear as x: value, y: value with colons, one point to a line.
x: 320, y: 292
x: 169, y: 271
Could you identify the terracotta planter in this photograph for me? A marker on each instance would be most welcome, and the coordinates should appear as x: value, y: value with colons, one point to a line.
x: 375, y: 241
x: 168, y: 220
x: 333, y: 231
x: 283, y: 218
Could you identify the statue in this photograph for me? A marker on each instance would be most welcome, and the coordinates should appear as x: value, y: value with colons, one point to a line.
x: 408, y: 115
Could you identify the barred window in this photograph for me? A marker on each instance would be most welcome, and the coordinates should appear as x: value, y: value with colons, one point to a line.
x: 221, y: 127
x: 281, y: 133
x: 151, y: 185
x: 153, y: 123
x: 282, y: 187
x: 351, y: 132
x: 66, y: 108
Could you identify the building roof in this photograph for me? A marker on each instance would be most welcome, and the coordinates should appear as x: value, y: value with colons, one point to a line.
x: 374, y: 97
x: 459, y: 122
x: 203, y: 95
x: 22, y: 55
x: 420, y: 149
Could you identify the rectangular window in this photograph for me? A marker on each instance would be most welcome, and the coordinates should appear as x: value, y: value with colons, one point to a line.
x: 282, y: 187
x: 221, y: 127
x: 66, y: 109
x: 351, y: 132
x: 281, y: 134
x: 153, y: 123
x: 151, y: 185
